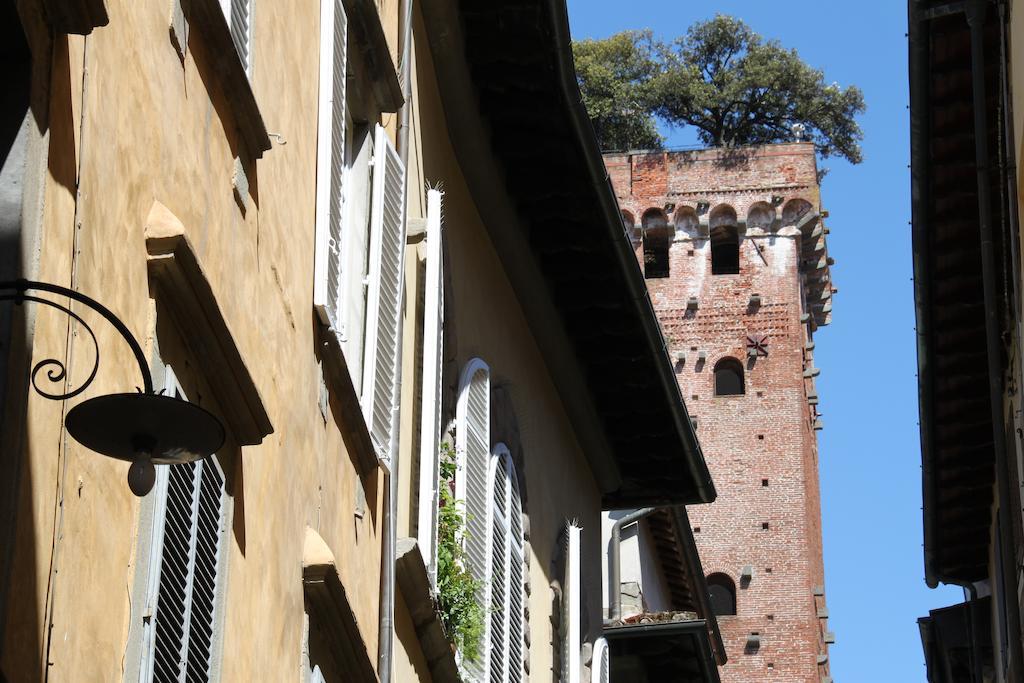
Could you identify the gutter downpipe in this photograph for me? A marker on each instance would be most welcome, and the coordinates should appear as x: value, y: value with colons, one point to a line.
x: 976, y: 12
x: 386, y: 627
x: 614, y: 562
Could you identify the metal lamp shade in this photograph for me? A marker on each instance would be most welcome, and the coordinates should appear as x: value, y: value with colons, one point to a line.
x: 168, y: 430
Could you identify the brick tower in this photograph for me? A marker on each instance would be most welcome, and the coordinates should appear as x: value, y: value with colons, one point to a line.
x: 732, y: 244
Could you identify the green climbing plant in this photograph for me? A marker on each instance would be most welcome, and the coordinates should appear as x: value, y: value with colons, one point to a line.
x: 458, y: 599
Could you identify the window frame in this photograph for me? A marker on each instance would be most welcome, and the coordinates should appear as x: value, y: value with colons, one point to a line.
x: 227, y: 7
x: 469, y: 500
x: 733, y: 365
x: 717, y: 242
x: 155, y: 546
x: 361, y: 225
x: 513, y: 550
x: 723, y: 580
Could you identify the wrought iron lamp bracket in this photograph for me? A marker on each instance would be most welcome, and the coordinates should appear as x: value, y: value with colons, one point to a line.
x: 55, y: 369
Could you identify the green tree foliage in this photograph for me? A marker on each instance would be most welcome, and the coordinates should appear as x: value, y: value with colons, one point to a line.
x: 615, y: 77
x: 725, y: 80
x: 458, y: 593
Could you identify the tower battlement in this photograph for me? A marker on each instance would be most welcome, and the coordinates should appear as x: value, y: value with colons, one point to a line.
x: 768, y: 192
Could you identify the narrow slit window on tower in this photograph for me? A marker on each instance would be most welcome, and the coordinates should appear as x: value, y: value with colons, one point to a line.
x: 729, y: 378
x: 657, y: 239
x: 725, y: 250
x: 722, y: 594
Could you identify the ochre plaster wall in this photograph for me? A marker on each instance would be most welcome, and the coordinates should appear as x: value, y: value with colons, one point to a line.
x: 136, y: 125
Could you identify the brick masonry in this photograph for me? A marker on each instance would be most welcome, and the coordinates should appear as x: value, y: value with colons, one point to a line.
x: 761, y: 447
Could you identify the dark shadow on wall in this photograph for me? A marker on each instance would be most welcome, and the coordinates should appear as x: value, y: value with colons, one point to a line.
x: 37, y: 91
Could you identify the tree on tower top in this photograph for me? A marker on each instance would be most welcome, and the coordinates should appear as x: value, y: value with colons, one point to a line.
x: 721, y: 78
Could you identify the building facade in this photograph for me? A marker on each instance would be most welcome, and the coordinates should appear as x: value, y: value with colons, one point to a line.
x: 733, y: 247
x: 966, y: 132
x: 298, y: 213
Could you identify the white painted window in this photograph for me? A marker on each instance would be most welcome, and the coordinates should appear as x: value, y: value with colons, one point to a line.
x: 239, y: 17
x: 473, y: 454
x: 381, y: 365
x: 331, y: 164
x: 432, y: 363
x: 360, y: 239
x: 505, y: 571
x: 601, y: 664
x: 571, y: 595
x: 184, y: 598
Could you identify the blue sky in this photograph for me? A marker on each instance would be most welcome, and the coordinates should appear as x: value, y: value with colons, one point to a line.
x: 870, y: 453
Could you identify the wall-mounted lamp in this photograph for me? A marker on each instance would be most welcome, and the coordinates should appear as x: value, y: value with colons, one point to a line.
x: 777, y: 199
x: 144, y: 428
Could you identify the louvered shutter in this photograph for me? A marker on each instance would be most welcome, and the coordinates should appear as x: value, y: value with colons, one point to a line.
x: 516, y: 584
x: 433, y: 359
x: 471, y: 485
x: 498, y: 537
x: 571, y: 606
x: 381, y: 364
x: 240, y: 21
x: 601, y: 664
x: 506, y: 561
x: 193, y: 528
x: 330, y: 164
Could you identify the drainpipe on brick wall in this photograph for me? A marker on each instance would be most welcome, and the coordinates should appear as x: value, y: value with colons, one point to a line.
x: 386, y: 629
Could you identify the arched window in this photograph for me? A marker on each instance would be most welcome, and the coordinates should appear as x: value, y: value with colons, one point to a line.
x: 722, y: 593
x: 657, y: 238
x: 473, y: 459
x: 729, y: 377
x: 725, y: 250
x: 503, y: 641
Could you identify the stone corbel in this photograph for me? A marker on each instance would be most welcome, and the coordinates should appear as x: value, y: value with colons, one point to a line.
x: 329, y: 605
x: 181, y: 285
x: 411, y: 576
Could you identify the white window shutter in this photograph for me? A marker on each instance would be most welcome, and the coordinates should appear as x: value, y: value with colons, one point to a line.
x: 330, y: 164
x: 571, y: 589
x: 240, y: 21
x: 472, y: 448
x: 506, y: 615
x: 517, y: 568
x: 433, y: 360
x: 498, y: 563
x: 189, y: 573
x: 381, y: 363
x: 600, y: 668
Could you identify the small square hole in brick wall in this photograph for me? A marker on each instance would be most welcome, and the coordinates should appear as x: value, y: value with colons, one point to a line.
x: 695, y: 397
x: 771, y: 617
x: 764, y: 482
x: 760, y: 394
x: 771, y: 666
x: 764, y: 525
x: 689, y: 252
x: 693, y: 348
x: 767, y: 570
x: 760, y: 437
x: 696, y: 529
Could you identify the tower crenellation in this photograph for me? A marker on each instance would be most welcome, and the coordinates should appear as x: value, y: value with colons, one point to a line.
x: 734, y: 250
